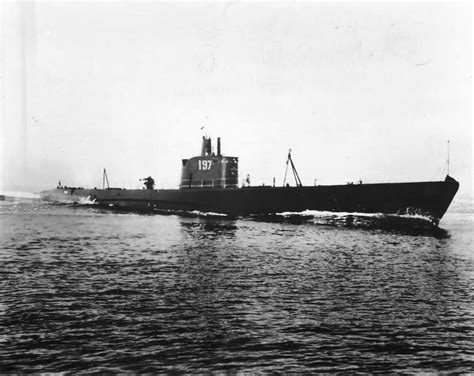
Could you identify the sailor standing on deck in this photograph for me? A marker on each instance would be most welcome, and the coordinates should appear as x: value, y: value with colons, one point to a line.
x: 148, y: 182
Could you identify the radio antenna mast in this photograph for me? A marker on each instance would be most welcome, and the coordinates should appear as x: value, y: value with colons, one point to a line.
x: 286, y: 170
x: 448, y: 158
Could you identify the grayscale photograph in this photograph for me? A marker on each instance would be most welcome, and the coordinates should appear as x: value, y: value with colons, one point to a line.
x: 236, y: 187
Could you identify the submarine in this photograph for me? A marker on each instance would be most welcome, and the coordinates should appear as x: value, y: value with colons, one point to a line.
x: 210, y: 183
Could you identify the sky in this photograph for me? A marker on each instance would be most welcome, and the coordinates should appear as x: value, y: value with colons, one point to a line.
x: 369, y: 91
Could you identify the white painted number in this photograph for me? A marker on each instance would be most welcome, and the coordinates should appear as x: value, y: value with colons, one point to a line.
x: 204, y: 165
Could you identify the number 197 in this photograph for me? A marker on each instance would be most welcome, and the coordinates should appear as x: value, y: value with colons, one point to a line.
x: 204, y: 165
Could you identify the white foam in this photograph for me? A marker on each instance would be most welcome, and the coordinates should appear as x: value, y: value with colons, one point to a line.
x: 207, y: 214
x: 87, y: 201
x: 316, y: 213
x: 322, y: 213
x: 21, y: 195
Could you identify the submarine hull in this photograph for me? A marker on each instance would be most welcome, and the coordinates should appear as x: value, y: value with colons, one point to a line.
x: 429, y: 199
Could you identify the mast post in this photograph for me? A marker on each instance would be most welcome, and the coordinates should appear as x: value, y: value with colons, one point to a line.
x: 105, y: 179
x: 293, y: 168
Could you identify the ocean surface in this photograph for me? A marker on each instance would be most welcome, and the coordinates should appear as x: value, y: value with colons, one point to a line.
x: 84, y: 289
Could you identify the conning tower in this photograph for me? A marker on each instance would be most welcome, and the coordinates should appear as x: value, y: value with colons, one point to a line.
x: 210, y: 170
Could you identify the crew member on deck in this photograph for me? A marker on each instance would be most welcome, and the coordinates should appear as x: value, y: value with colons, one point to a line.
x: 149, y: 182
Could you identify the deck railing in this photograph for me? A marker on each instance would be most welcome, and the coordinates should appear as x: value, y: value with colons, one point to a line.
x: 209, y: 183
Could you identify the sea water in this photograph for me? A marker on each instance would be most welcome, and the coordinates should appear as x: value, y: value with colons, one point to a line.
x: 85, y: 289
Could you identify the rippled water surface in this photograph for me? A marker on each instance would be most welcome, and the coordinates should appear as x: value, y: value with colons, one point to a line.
x: 85, y: 289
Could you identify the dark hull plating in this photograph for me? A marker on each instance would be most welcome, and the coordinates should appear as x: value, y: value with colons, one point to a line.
x: 430, y: 199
